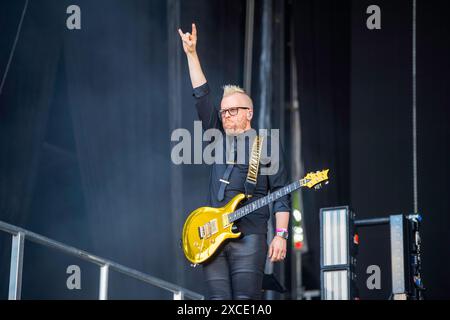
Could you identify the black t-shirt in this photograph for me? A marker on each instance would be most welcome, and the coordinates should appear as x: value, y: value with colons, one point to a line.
x: 255, y: 222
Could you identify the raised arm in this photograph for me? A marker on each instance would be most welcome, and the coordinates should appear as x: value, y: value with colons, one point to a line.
x: 206, y: 111
x: 190, y: 48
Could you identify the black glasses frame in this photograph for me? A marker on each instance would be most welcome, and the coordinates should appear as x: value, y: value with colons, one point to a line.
x: 230, y: 112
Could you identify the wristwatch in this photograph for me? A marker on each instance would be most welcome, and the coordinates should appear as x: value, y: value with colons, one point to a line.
x: 283, y: 233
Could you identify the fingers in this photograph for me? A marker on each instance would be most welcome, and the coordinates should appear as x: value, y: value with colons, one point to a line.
x: 278, y: 256
x: 185, y: 37
x: 275, y: 255
x: 270, y: 251
x: 194, y: 30
x: 277, y: 252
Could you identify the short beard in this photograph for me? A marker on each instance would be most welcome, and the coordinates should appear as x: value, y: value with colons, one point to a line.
x: 234, y: 131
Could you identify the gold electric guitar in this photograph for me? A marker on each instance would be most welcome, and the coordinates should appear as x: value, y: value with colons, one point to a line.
x: 207, y: 228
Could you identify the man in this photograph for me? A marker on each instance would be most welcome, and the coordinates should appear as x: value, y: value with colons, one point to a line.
x: 237, y: 271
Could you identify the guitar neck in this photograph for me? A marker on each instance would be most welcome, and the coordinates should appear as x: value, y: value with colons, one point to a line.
x: 261, y: 202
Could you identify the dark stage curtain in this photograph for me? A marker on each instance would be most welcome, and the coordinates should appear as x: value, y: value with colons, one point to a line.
x: 24, y: 108
x: 85, y: 137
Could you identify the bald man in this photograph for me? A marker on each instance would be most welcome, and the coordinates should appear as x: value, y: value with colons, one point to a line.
x: 237, y: 270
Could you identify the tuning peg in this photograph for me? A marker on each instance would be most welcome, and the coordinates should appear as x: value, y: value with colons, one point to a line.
x: 326, y: 182
x: 317, y: 186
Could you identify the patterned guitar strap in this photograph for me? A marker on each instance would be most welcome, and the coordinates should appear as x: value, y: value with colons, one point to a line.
x: 253, y: 167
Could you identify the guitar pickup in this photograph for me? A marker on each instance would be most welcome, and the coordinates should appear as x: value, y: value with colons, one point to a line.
x: 225, y: 220
x: 208, y: 229
x: 213, y: 225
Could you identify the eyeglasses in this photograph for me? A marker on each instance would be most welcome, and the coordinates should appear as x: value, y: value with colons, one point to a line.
x: 231, y: 111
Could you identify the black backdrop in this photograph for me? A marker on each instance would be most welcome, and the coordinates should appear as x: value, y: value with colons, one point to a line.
x: 85, y: 131
x: 381, y: 174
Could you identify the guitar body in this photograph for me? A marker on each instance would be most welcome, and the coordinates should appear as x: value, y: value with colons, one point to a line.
x: 206, y: 228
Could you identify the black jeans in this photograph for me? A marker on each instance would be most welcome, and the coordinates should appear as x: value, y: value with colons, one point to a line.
x: 237, y: 271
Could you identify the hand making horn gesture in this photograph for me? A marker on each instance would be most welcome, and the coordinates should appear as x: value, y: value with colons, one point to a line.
x: 189, y: 40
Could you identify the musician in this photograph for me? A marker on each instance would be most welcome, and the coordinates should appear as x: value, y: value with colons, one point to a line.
x: 236, y: 272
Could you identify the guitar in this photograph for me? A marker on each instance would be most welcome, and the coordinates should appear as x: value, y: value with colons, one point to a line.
x: 206, y: 228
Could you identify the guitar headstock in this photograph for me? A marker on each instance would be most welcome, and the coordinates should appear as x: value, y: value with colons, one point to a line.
x: 316, y: 179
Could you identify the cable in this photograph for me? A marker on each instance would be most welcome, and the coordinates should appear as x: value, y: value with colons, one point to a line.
x: 414, y: 111
x: 13, y: 49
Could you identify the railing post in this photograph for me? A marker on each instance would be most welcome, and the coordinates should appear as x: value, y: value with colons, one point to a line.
x: 103, y: 290
x: 397, y: 228
x: 179, y: 295
x: 15, y: 272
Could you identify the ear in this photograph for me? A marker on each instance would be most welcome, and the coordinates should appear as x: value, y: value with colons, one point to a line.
x: 249, y: 114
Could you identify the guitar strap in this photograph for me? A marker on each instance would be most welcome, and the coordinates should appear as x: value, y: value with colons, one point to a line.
x: 224, y: 181
x: 253, y: 166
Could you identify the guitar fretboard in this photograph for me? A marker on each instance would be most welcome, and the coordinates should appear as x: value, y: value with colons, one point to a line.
x: 261, y: 202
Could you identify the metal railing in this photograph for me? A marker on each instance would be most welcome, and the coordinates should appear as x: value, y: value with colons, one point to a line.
x: 19, y: 236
